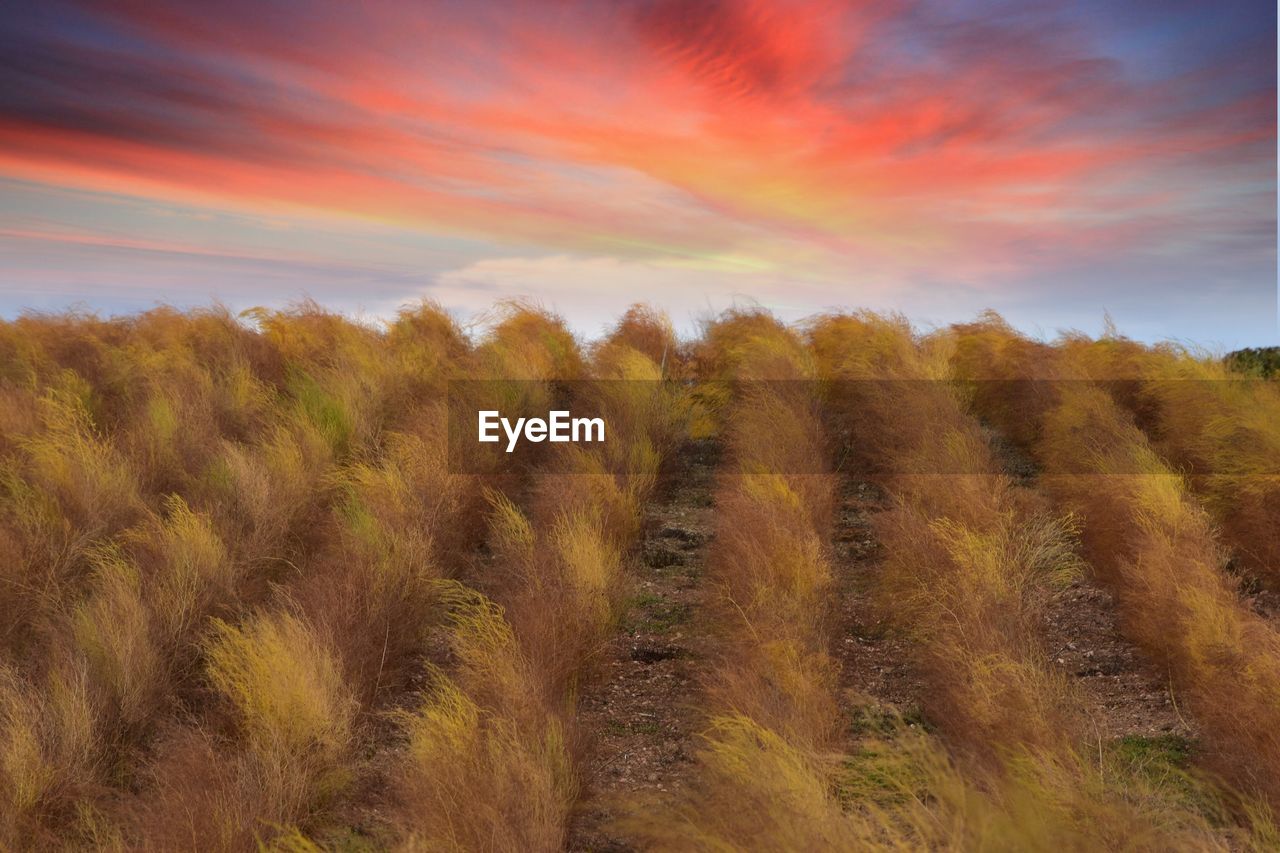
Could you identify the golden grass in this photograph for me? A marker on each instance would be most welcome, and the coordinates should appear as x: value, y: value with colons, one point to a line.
x: 1217, y: 427
x: 487, y: 765
x: 489, y: 762
x: 293, y: 715
x: 772, y: 697
x: 970, y: 558
x: 285, y: 686
x: 780, y: 769
x: 168, y: 469
x: 246, y: 601
x: 48, y: 749
x: 970, y: 562
x: 1151, y: 543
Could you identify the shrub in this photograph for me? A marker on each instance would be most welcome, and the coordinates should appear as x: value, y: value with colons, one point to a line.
x: 284, y: 691
x: 486, y: 765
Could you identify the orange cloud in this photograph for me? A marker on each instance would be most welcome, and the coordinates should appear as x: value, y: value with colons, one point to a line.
x: 881, y: 138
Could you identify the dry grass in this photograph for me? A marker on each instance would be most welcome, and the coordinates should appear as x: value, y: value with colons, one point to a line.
x: 1219, y: 428
x: 772, y: 702
x: 249, y: 600
x: 1148, y: 540
x: 971, y: 560
x: 489, y: 764
x: 171, y: 469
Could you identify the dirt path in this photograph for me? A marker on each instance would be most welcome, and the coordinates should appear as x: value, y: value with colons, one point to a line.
x: 640, y: 716
x: 1123, y: 694
x: 875, y: 658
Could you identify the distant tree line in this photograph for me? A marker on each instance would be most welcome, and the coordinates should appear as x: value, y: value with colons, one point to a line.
x: 1258, y: 361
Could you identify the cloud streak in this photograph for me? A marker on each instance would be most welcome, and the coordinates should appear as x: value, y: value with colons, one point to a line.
x: 979, y: 143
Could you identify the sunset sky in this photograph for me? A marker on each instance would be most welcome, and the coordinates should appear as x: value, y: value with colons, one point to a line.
x: 1050, y: 160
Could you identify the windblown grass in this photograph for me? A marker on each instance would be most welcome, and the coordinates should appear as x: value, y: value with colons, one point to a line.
x: 248, y: 599
x: 170, y: 470
x: 1215, y: 426
x: 971, y: 560
x: 1151, y: 543
x: 489, y: 763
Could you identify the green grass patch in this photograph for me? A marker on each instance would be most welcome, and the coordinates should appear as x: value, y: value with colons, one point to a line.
x: 654, y: 614
x: 1153, y: 755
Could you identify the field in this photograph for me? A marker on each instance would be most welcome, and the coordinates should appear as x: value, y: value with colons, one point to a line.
x: 841, y: 584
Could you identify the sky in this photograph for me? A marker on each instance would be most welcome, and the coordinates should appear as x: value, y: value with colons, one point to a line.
x: 1054, y: 161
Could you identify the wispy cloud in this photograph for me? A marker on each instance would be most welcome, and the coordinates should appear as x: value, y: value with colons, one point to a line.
x: 981, y: 143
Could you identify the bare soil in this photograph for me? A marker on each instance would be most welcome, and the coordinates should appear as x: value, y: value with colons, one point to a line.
x: 1123, y: 693
x: 1261, y: 600
x: 640, y: 716
x: 875, y: 658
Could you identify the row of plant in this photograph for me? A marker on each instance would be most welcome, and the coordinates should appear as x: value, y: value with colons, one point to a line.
x: 304, y: 686
x: 791, y: 761
x: 971, y: 559
x: 162, y: 474
x: 225, y: 542
x: 762, y: 781
x: 250, y: 598
x: 1217, y: 427
x: 1148, y: 540
x: 490, y: 753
